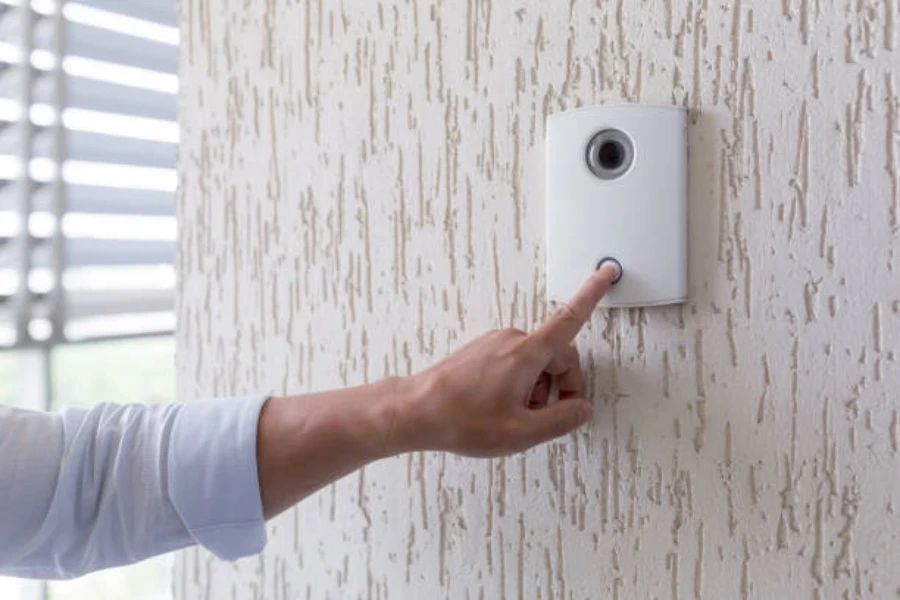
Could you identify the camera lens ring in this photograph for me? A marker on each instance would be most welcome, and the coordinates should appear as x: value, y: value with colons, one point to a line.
x: 609, y: 154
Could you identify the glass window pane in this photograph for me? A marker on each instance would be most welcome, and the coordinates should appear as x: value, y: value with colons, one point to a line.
x: 149, y: 580
x: 120, y: 371
x: 20, y: 589
x: 8, y: 383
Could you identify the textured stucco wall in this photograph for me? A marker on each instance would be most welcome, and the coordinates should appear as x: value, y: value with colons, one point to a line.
x: 361, y: 193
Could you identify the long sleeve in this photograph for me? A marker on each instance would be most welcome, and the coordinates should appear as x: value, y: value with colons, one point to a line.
x: 84, y: 490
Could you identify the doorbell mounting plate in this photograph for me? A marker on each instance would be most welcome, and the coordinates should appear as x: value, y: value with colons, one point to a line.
x: 616, y: 190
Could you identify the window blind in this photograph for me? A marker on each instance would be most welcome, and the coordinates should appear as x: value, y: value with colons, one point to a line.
x: 88, y: 136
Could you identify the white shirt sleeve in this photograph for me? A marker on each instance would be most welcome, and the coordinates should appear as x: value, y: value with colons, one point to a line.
x: 84, y: 490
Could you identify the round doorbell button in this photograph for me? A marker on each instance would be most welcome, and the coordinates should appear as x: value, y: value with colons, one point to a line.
x: 610, y: 261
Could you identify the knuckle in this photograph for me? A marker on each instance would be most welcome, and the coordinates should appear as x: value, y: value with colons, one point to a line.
x: 516, y: 345
x: 512, y: 332
x: 568, y: 422
x: 493, y: 334
x: 567, y: 312
x: 533, y: 354
x: 557, y: 365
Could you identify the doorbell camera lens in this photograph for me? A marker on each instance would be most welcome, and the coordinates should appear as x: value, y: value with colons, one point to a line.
x: 610, y: 154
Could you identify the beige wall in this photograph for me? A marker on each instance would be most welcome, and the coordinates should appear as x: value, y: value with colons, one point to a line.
x: 361, y: 194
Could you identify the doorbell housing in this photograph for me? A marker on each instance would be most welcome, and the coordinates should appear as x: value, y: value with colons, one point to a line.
x: 616, y: 192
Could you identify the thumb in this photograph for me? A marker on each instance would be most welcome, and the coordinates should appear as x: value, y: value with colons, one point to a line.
x: 558, y: 419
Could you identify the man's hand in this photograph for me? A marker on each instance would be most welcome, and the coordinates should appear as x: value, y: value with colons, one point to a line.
x: 490, y: 398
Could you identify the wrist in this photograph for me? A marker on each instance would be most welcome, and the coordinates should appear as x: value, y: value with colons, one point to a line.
x: 404, y: 422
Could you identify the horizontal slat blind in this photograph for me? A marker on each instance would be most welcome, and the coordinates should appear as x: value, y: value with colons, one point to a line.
x: 88, y: 136
x: 158, y: 11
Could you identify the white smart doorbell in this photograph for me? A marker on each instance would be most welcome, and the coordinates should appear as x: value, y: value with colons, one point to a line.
x: 616, y: 192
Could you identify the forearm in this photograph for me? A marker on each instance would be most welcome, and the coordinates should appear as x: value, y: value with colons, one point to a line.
x: 306, y: 442
x: 90, y: 489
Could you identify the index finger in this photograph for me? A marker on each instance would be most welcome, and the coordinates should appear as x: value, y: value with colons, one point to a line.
x: 561, y: 328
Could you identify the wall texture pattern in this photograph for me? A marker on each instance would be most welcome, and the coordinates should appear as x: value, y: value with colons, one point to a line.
x: 361, y: 193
